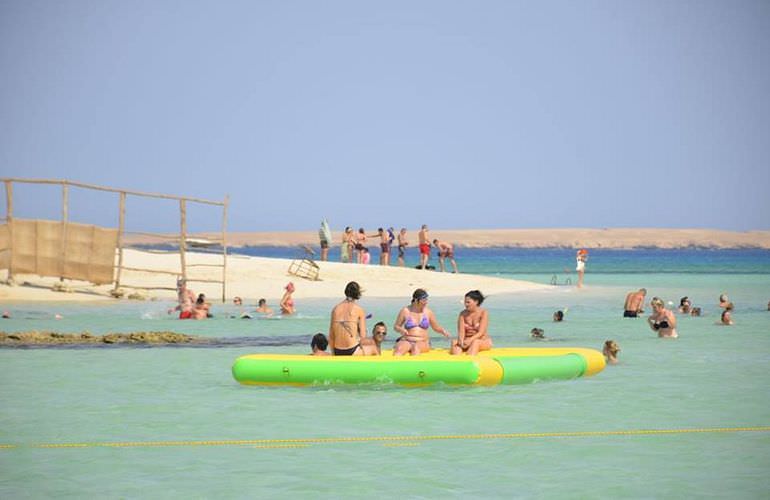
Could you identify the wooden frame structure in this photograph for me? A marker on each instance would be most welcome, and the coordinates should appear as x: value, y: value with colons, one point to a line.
x: 120, y: 268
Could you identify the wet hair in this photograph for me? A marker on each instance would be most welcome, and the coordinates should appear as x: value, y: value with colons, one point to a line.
x: 657, y: 301
x: 200, y: 300
x: 726, y: 311
x: 611, y: 346
x: 695, y: 311
x: 419, y: 294
x: 476, y: 296
x: 320, y: 341
x: 261, y: 302
x: 537, y: 333
x: 683, y: 301
x: 379, y: 323
x: 353, y: 291
x: 558, y: 315
x: 723, y: 297
x: 730, y: 306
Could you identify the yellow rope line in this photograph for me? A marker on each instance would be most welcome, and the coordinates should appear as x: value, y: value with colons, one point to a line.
x: 409, y: 440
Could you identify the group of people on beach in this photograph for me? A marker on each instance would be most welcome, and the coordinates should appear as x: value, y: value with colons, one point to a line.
x: 354, y: 246
x: 347, y: 334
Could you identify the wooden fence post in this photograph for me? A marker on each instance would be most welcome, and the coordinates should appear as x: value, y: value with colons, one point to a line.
x: 63, y: 232
x: 224, y: 248
x: 9, y: 219
x: 121, y: 228
x: 183, y: 236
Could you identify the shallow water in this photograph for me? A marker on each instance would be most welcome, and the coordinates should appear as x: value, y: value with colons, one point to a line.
x: 386, y: 440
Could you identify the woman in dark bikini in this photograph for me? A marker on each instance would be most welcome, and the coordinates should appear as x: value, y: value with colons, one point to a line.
x: 472, y: 324
x: 348, y: 324
x: 662, y: 320
x: 413, y: 322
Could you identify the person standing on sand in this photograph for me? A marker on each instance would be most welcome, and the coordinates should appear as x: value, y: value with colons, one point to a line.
x: 582, y: 257
x: 403, y: 243
x: 325, y: 237
x: 346, y: 245
x: 445, y: 251
x: 384, y: 247
x: 347, y: 328
x: 662, y: 320
x: 424, y: 240
x: 632, y: 308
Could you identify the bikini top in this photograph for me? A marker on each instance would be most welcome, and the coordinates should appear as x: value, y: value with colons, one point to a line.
x: 424, y: 322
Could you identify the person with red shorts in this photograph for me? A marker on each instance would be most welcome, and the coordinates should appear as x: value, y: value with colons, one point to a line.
x: 424, y: 246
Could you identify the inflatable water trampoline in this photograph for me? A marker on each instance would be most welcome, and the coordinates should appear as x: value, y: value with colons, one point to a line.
x: 511, y: 365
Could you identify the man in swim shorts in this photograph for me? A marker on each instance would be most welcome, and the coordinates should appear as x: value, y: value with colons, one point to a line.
x: 403, y: 243
x: 424, y: 246
x: 445, y: 251
x: 634, y: 302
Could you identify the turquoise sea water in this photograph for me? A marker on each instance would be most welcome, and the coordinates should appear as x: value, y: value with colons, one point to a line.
x: 196, y: 433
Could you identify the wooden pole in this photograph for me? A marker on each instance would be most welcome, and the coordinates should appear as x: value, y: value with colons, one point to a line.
x: 183, y: 236
x: 224, y: 248
x: 121, y: 228
x: 63, y: 234
x: 9, y: 218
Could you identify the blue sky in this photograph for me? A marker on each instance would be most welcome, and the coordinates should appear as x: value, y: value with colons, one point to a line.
x: 457, y: 114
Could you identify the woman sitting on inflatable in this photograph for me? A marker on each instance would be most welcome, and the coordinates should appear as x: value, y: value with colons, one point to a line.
x: 472, y: 324
x: 413, y: 322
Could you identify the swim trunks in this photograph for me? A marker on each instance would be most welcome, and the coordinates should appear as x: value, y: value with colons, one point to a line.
x: 185, y: 315
x: 324, y: 244
x: 401, y: 251
x: 346, y: 352
x: 385, y: 247
x: 630, y: 314
x: 449, y: 254
x: 424, y: 249
x: 359, y: 247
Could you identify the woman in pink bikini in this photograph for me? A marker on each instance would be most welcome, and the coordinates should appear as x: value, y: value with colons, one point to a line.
x: 472, y: 324
x: 287, y: 302
x: 412, y: 323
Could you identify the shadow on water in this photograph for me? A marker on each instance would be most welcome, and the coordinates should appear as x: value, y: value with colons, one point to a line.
x: 199, y: 343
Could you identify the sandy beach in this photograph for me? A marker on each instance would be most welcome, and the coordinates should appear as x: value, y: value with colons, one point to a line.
x: 620, y: 238
x: 254, y: 277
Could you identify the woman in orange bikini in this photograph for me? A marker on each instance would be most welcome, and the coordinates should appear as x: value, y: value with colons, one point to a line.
x: 472, y: 324
x: 413, y: 322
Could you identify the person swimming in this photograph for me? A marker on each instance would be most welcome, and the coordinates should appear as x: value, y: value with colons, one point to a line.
x: 537, y: 334
x: 558, y: 316
x: 610, y: 351
x: 414, y: 330
x: 318, y: 345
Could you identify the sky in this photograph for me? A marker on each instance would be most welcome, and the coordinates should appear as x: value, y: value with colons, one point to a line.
x: 455, y: 114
